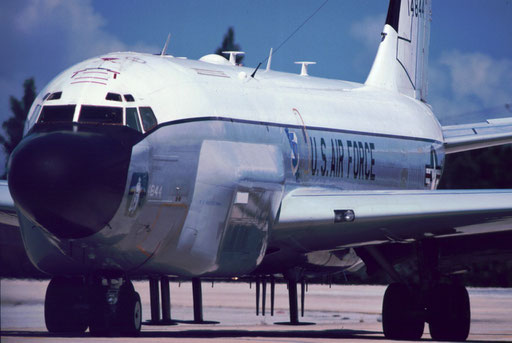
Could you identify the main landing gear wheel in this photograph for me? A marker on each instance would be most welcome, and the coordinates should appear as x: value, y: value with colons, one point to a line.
x: 65, y: 306
x: 449, y: 313
x: 402, y: 317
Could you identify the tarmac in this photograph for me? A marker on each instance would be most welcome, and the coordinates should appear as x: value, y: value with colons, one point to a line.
x: 340, y: 313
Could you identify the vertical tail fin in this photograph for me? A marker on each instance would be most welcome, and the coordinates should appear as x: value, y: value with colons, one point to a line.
x: 402, y: 58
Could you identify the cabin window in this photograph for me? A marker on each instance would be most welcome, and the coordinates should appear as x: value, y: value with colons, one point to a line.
x: 52, y: 114
x: 101, y: 114
x: 132, y: 118
x: 148, y: 118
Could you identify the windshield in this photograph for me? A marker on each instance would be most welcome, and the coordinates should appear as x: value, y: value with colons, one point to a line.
x: 101, y: 114
x: 148, y: 118
x: 51, y: 114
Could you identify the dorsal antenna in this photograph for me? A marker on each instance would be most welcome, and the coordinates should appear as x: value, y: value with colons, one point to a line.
x: 164, y: 50
x: 232, y: 55
x: 269, y: 60
x: 304, y: 68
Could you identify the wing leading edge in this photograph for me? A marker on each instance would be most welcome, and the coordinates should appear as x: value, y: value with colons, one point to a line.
x: 492, y: 132
x: 307, y: 217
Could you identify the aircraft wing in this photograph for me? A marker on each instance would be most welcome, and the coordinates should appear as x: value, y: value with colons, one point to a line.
x: 492, y: 132
x: 7, y: 210
x: 320, y: 219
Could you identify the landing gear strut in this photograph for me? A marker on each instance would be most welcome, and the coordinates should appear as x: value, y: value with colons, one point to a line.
x: 115, y: 309
x: 292, y: 277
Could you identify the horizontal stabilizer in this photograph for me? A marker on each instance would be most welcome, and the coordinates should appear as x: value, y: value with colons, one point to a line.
x: 465, y: 137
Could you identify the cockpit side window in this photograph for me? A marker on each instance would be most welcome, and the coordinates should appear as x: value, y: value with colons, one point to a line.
x: 101, y: 114
x: 34, y: 116
x: 132, y: 118
x: 148, y: 118
x: 52, y: 114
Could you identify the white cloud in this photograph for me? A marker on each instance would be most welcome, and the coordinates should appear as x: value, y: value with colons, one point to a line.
x: 472, y: 83
x: 74, y: 24
x: 43, y: 37
x: 479, y: 75
x: 366, y: 33
x: 46, y: 37
x: 368, y: 30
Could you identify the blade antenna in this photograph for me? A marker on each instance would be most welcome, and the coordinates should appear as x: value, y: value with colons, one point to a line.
x: 269, y: 61
x: 164, y: 50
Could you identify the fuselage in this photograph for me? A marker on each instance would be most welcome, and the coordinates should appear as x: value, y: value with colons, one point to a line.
x: 202, y: 189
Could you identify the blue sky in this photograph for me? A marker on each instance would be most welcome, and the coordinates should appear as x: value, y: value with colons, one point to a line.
x: 470, y: 68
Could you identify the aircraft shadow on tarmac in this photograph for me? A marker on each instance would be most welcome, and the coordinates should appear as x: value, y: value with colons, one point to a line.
x: 320, y: 334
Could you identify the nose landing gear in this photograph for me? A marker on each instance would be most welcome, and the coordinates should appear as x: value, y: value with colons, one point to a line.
x: 109, y: 307
x: 115, y: 309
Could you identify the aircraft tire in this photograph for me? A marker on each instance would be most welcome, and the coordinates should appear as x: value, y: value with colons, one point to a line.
x: 65, y: 308
x: 449, y: 313
x: 401, y: 318
x: 130, y: 314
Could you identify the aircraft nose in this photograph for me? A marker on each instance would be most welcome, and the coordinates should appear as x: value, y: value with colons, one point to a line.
x: 71, y: 183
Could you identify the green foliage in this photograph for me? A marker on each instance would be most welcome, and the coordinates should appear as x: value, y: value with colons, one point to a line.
x: 228, y: 44
x: 478, y: 169
x: 13, y: 126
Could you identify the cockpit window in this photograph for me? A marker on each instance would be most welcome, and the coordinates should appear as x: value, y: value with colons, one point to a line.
x: 101, y: 114
x: 148, y: 118
x: 55, y: 96
x: 113, y: 97
x: 132, y: 118
x: 52, y: 114
x: 129, y: 98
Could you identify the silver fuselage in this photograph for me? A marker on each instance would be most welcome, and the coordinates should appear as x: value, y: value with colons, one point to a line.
x: 205, y: 188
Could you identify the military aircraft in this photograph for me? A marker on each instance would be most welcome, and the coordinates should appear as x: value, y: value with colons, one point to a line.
x: 139, y: 165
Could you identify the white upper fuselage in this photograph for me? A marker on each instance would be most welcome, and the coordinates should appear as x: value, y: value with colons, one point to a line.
x: 179, y: 88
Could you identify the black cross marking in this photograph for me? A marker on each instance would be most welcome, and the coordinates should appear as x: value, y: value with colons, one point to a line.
x: 432, y: 171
